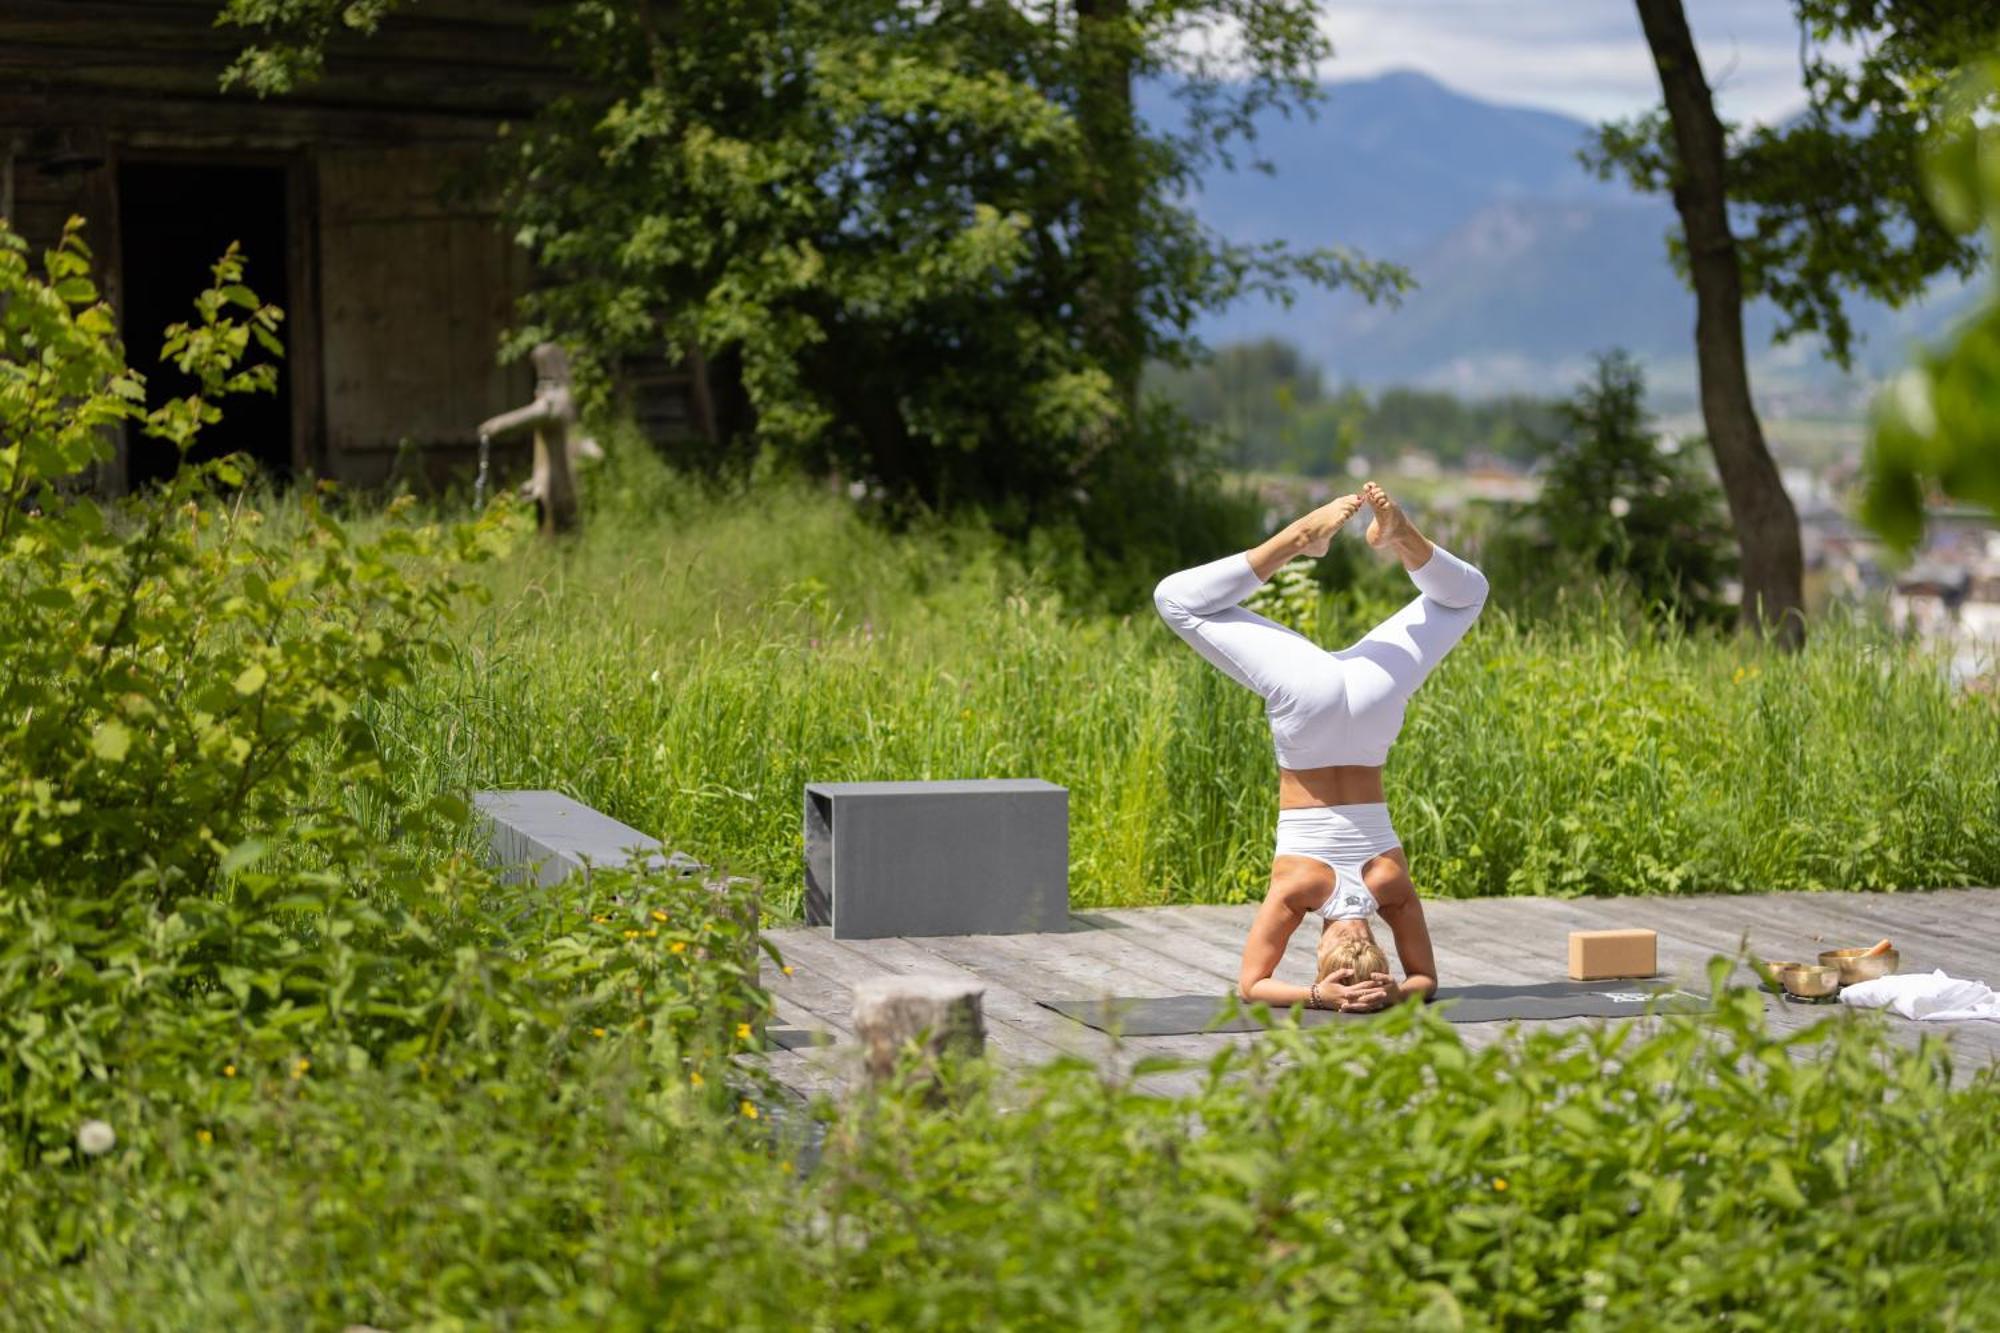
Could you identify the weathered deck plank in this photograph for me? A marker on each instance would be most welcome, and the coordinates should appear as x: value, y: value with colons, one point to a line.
x: 1195, y: 950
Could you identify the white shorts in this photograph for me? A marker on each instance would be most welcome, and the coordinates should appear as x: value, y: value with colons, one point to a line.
x: 1344, y: 838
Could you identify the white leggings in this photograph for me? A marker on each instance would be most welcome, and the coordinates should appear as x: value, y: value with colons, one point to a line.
x: 1325, y: 707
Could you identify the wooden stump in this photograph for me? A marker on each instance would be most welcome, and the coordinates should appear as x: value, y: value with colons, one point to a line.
x: 942, y: 1016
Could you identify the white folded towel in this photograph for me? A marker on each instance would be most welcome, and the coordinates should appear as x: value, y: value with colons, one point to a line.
x: 1935, y: 998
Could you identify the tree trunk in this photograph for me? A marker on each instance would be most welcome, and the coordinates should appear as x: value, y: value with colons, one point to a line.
x: 1767, y: 527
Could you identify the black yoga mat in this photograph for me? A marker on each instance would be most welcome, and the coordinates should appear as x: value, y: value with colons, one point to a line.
x: 1171, y: 1015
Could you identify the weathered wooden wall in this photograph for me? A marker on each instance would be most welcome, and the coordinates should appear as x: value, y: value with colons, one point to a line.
x: 416, y: 291
x: 399, y: 287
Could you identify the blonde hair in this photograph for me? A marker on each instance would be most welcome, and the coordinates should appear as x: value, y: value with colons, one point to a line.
x: 1338, y: 949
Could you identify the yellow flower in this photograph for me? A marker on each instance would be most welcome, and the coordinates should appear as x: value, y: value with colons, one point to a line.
x: 1499, y: 1184
x: 785, y: 1167
x: 631, y: 934
x: 600, y: 920
x: 742, y: 1032
x: 695, y: 1078
x: 652, y: 932
x: 749, y: 1109
x: 299, y: 1069
x: 597, y: 1032
x: 787, y: 969
x: 658, y: 915
x: 203, y: 1136
x: 678, y: 946
x: 229, y: 1071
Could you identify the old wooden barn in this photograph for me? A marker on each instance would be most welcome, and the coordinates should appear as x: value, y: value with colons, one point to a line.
x: 351, y: 198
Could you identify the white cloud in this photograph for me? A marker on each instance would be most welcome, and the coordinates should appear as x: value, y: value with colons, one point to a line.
x: 1584, y: 57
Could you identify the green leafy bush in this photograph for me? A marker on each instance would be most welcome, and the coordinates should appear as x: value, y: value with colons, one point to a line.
x: 194, y: 909
x: 1666, y: 1174
x: 1934, y: 428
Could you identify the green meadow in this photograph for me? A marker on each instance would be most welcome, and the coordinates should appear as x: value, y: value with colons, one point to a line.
x: 695, y: 658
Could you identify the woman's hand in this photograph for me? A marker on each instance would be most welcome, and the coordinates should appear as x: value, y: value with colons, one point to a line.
x: 1341, y: 990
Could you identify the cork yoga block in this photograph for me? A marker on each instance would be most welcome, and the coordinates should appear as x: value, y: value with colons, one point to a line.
x: 1595, y: 955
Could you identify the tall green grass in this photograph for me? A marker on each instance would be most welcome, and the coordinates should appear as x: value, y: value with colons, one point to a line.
x: 693, y: 661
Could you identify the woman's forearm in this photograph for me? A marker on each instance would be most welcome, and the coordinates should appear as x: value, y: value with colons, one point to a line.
x: 1278, y: 994
x: 1418, y: 987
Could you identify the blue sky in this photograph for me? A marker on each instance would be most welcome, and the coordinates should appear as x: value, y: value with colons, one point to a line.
x: 1584, y: 57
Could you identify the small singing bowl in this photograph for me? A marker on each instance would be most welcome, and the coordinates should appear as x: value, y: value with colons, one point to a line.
x: 1860, y: 965
x: 1809, y: 982
x: 1769, y: 972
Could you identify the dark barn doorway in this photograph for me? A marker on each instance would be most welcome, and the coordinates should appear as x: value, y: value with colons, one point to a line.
x: 174, y: 221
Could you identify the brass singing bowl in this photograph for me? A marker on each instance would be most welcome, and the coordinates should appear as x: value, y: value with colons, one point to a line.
x: 1860, y: 965
x: 1810, y: 982
x: 1768, y: 971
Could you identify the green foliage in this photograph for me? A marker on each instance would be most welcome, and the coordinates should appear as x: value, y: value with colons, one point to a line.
x: 912, y: 230
x: 1614, y: 498
x: 293, y: 34
x: 1939, y: 423
x: 197, y: 921
x: 1270, y: 409
x: 1833, y: 199
x: 1637, y: 1176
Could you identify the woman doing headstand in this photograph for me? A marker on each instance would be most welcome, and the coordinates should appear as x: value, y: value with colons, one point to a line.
x: 1333, y: 717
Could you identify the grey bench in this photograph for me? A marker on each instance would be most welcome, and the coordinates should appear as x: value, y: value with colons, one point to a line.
x: 547, y: 837
x: 976, y: 857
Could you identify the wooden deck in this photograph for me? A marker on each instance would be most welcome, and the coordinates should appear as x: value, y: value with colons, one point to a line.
x: 1194, y: 950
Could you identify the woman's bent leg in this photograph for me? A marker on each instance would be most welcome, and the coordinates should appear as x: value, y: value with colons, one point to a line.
x: 1391, y: 660
x: 1259, y: 654
x: 1450, y: 581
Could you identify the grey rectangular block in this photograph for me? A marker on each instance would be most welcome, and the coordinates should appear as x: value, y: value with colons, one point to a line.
x: 547, y: 836
x: 976, y: 857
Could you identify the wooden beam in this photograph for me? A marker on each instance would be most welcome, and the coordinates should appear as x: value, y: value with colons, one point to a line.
x: 304, y: 354
x: 179, y: 122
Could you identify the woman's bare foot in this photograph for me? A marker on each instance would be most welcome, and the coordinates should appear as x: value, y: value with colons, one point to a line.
x: 1391, y: 529
x: 1319, y: 526
x: 1389, y: 522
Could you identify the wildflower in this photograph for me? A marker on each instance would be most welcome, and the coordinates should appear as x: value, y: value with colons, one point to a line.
x: 658, y: 915
x: 678, y: 946
x: 742, y: 1032
x: 631, y: 934
x: 694, y: 1079
x: 229, y: 1071
x: 96, y: 1138
x: 203, y: 1136
x: 597, y: 1032
x: 1499, y: 1184
x: 749, y: 1109
x: 601, y: 920
x: 299, y: 1069
x: 652, y: 932
x: 785, y: 1167
x: 787, y: 969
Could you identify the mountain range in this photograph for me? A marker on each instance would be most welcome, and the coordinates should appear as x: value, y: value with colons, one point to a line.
x: 1526, y: 262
